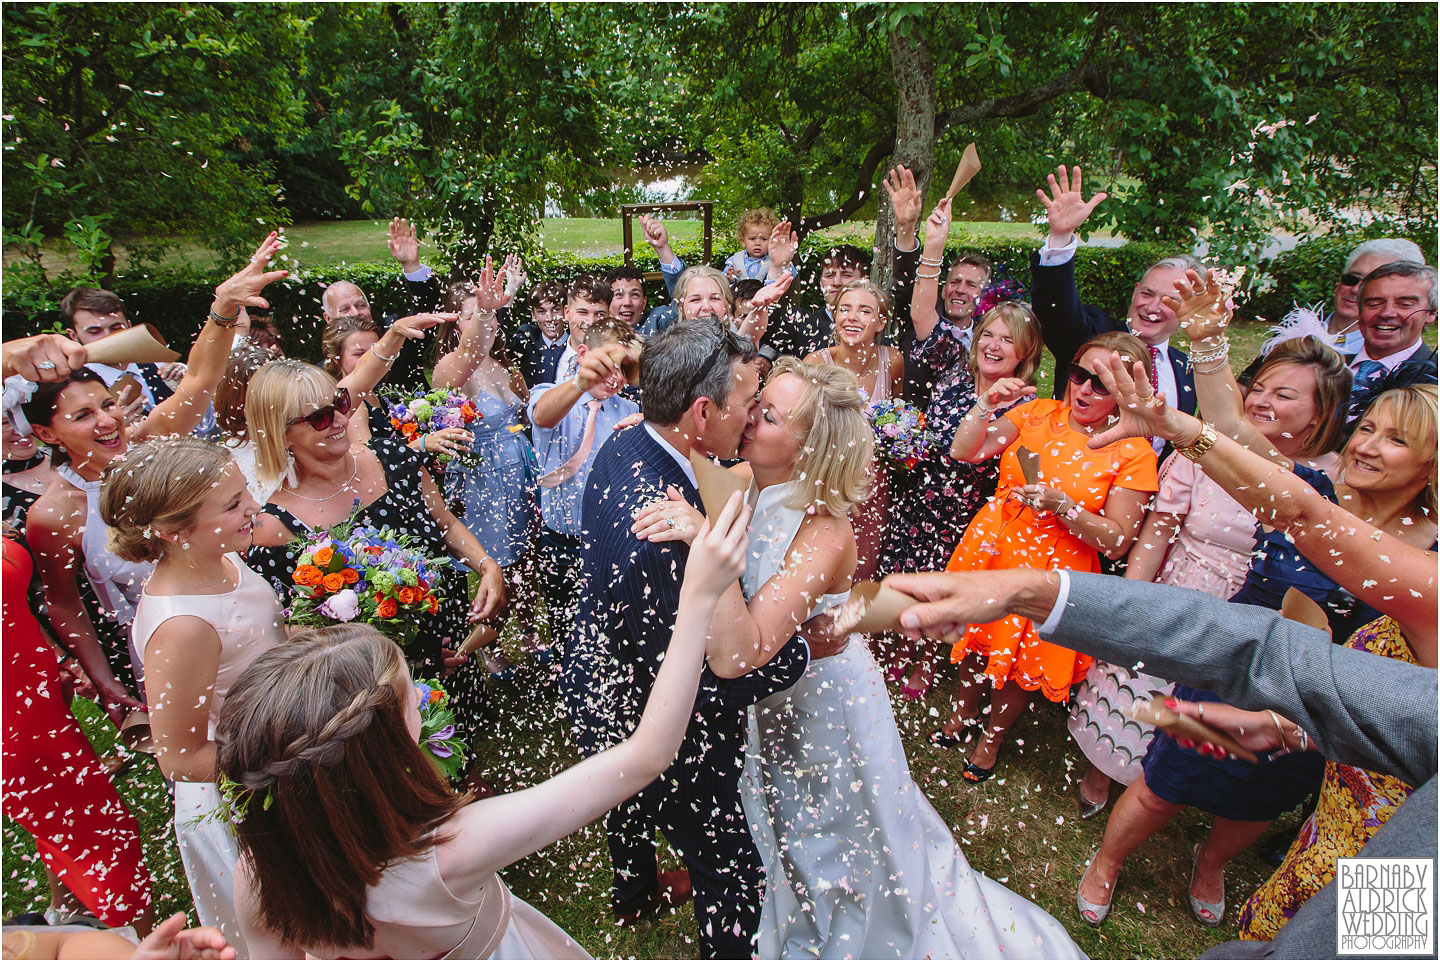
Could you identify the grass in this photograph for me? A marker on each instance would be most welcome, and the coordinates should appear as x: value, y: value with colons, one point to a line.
x: 319, y: 243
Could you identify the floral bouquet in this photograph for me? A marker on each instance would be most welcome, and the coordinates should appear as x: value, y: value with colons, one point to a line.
x: 360, y: 573
x: 437, y: 729
x: 901, y: 436
x: 415, y: 414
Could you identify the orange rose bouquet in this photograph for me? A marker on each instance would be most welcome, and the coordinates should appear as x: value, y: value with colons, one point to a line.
x: 359, y: 573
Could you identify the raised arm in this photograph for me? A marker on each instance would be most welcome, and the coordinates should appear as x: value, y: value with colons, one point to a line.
x: 376, y: 362
x: 924, y: 314
x: 492, y: 833
x: 182, y: 411
x: 977, y: 438
x: 1381, y: 570
x: 43, y: 357
x: 1204, y: 308
x: 455, y: 368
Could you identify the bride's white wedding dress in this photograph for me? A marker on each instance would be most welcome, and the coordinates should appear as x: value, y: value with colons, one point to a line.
x: 858, y: 863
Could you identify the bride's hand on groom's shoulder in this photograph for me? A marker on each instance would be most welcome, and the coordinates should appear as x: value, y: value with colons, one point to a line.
x: 819, y: 634
x: 673, y: 519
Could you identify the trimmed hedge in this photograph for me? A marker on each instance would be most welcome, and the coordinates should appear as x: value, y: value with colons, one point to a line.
x: 177, y: 301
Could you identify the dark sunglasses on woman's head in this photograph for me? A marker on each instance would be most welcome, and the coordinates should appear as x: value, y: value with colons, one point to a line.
x: 323, y: 418
x: 1079, y: 375
x: 1351, y: 279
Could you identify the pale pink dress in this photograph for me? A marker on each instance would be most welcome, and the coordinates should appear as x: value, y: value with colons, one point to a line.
x: 872, y: 515
x: 1211, y: 553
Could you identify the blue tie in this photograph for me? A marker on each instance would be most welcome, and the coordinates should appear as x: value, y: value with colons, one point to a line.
x: 1362, y: 391
x: 1367, y: 371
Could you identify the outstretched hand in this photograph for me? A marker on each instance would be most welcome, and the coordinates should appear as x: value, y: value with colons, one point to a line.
x: 905, y: 198
x: 937, y: 227
x: 490, y: 292
x: 243, y: 288
x: 1008, y: 390
x: 171, y: 940
x: 1065, y: 206
x: 1259, y: 731
x: 784, y: 242
x: 769, y: 295
x: 1203, y: 306
x: 1142, y: 412
x: 404, y: 244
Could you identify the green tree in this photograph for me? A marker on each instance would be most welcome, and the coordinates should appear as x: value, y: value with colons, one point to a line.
x: 139, y: 120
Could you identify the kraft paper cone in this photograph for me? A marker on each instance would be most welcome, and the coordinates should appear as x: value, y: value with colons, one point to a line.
x: 141, y: 344
x: 872, y: 608
x: 968, y: 168
x: 1029, y: 464
x: 1298, y: 606
x: 715, y: 483
x: 480, y: 636
x: 135, y: 732
x: 1183, y: 726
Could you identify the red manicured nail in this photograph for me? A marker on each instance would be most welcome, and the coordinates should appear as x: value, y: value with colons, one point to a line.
x: 1172, y: 703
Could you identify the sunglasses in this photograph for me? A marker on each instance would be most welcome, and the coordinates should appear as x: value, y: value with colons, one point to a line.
x: 1080, y: 375
x: 322, y: 418
x: 1351, y: 279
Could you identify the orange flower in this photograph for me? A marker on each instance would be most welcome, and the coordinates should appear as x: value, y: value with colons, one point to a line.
x: 407, y: 595
x: 323, y: 556
x: 421, y: 590
x: 434, y: 604
x: 436, y: 695
x: 395, y: 423
x: 333, y: 581
x: 306, y: 576
x: 388, y: 608
x: 409, y: 430
x: 374, y: 549
x: 350, y: 575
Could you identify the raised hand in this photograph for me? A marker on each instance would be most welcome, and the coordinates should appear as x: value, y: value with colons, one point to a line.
x: 769, y: 295
x: 514, y: 274
x: 1203, y: 306
x: 717, y: 554
x: 404, y: 245
x: 602, y: 365
x: 490, y: 293
x: 784, y: 242
x: 243, y: 288
x: 132, y: 402
x: 673, y: 519
x: 416, y: 325
x: 1142, y: 412
x: 905, y: 198
x: 655, y: 233
x: 1065, y: 207
x: 1007, y: 390
x: 937, y: 228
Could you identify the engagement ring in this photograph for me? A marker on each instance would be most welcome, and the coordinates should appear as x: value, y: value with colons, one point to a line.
x: 669, y: 522
x: 46, y: 365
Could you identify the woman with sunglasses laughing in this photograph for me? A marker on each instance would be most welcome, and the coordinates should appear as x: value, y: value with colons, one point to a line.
x: 1084, y: 503
x: 299, y: 419
x: 81, y: 422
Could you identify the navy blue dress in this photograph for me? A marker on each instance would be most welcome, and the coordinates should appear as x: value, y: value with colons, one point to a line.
x: 1231, y: 788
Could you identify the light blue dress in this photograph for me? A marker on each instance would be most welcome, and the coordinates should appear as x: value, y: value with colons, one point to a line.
x: 499, y: 494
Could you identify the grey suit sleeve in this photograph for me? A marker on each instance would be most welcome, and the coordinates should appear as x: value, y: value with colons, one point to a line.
x: 1363, y: 710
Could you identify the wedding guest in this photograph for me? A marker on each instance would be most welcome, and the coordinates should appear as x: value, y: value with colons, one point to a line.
x: 587, y: 300
x: 1087, y: 504
x: 545, y: 330
x: 1397, y: 303
x: 1199, y: 537
x: 627, y: 295
x: 932, y: 505
x: 28, y: 470
x: 90, y: 314
x: 752, y: 260
x: 299, y: 421
x: 355, y: 846
x: 80, y: 420
x: 498, y: 493
x: 753, y: 322
x: 861, y: 312
x: 1344, y: 320
x: 230, y: 415
x: 571, y: 421
x: 181, y: 504
x: 55, y: 787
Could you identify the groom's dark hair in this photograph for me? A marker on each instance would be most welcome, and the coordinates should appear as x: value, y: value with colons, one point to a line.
x: 689, y: 360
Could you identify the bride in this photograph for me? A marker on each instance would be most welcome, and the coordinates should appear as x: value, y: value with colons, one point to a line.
x: 858, y: 863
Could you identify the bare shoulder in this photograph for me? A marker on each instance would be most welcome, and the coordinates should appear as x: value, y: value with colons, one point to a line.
x: 59, y: 513
x: 830, y: 538
x: 270, y: 531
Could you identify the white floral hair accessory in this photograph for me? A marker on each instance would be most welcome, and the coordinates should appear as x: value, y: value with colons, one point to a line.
x: 17, y: 392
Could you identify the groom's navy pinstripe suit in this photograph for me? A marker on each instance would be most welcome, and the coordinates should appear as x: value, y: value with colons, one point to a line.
x: 628, y: 597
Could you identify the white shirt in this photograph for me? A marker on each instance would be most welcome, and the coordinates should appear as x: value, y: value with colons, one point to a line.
x: 563, y: 369
x: 680, y: 459
x: 1052, y: 620
x: 1391, y: 362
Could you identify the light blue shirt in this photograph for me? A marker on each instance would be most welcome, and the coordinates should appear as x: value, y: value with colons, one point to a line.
x: 560, y: 506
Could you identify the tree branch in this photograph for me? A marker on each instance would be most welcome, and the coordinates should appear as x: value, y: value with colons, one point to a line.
x: 1017, y: 105
x: 864, y: 178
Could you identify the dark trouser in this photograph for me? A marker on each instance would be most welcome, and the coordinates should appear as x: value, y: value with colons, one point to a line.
x: 559, y: 562
x: 698, y: 809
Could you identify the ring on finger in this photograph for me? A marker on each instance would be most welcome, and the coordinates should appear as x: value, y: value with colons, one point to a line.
x: 669, y: 522
x: 46, y: 366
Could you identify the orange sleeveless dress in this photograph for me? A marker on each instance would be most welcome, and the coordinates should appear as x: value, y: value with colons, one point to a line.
x: 1008, y: 534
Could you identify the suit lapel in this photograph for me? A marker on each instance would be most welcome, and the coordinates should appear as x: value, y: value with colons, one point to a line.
x: 659, y: 459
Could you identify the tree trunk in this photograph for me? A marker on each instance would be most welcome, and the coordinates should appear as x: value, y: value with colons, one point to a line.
x: 914, y: 72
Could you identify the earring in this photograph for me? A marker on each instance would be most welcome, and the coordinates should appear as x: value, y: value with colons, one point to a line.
x: 290, y: 480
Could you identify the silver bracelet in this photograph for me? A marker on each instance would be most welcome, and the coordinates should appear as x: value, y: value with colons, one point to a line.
x: 387, y: 360
x: 922, y: 276
x: 1216, y: 354
x: 930, y: 261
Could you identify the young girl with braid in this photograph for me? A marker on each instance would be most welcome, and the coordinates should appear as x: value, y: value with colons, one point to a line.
x: 202, y: 617
x: 352, y: 843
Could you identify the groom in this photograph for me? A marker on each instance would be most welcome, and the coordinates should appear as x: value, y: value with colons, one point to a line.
x: 698, y: 383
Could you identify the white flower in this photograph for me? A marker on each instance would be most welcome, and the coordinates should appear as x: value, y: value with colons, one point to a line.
x: 343, y: 605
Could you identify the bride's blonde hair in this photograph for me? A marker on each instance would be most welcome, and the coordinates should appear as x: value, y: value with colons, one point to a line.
x: 837, y: 445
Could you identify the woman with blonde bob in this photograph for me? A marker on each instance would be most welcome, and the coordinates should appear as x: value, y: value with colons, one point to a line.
x: 354, y: 846
x: 826, y: 782
x: 299, y: 423
x: 202, y: 617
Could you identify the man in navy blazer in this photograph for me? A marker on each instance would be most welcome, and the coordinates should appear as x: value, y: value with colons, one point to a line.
x: 1066, y: 323
x: 699, y: 382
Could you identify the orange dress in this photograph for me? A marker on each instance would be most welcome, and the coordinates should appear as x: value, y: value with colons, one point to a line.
x: 1008, y: 534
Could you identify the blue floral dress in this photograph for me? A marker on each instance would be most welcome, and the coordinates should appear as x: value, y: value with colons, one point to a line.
x: 498, y: 494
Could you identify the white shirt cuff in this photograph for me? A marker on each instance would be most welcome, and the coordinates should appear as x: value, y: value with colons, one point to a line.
x: 421, y: 273
x: 1055, y: 256
x: 1052, y: 621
